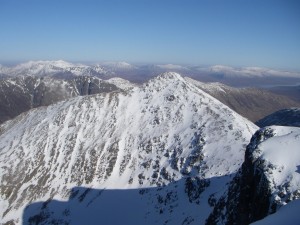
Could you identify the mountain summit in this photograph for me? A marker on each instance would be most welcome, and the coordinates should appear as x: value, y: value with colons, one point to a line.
x: 165, y: 148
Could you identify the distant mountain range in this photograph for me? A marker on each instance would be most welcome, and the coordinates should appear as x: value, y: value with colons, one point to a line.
x: 45, y: 83
x: 244, y: 76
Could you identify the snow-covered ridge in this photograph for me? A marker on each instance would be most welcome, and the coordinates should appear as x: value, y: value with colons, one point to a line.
x: 121, y: 83
x: 167, y: 136
x: 50, y: 68
x: 213, y: 87
x: 43, y: 68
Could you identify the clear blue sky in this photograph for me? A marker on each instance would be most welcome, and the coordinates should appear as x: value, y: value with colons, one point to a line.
x: 238, y: 33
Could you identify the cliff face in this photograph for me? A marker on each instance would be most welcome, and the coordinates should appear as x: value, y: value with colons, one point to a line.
x: 267, y: 180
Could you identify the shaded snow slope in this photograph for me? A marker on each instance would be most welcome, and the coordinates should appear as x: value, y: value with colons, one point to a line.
x: 284, y: 117
x: 167, y: 144
x: 289, y: 214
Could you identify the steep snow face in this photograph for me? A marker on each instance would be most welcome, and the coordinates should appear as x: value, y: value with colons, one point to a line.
x: 165, y: 147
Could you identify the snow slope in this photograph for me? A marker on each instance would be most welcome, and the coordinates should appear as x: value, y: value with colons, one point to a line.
x: 151, y: 155
x: 284, y: 117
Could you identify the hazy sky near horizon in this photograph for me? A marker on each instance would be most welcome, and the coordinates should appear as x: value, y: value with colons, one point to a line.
x: 263, y: 33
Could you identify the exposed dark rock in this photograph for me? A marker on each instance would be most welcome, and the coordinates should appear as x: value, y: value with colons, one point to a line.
x: 248, y: 198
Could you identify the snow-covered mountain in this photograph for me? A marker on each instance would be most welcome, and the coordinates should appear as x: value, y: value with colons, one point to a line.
x: 171, y: 67
x: 268, y: 179
x: 118, y: 65
x: 154, y: 154
x: 284, y: 117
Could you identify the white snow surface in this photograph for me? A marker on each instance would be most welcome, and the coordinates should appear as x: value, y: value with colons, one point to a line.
x: 133, y: 150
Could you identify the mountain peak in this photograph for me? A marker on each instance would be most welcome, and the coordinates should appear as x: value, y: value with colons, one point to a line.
x: 170, y: 75
x: 165, y: 134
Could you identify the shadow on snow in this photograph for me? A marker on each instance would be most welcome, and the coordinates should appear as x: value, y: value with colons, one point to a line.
x: 180, y: 202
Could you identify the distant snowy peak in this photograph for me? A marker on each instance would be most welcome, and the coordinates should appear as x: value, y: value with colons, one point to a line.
x: 50, y: 68
x: 171, y: 67
x: 3, y: 70
x: 249, y: 71
x: 41, y: 68
x: 118, y: 65
x: 99, y: 69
